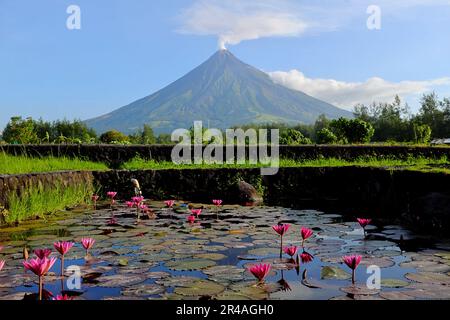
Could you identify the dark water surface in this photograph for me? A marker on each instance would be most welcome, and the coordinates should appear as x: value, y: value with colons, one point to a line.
x: 168, y: 258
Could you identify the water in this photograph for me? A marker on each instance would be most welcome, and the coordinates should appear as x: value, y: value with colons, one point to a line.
x: 168, y: 258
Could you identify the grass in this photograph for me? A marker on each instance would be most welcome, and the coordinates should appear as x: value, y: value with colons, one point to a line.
x: 22, y: 164
x: 38, y: 201
x: 411, y: 162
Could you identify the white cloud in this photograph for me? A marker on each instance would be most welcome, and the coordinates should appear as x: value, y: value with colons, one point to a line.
x: 234, y: 21
x: 347, y: 94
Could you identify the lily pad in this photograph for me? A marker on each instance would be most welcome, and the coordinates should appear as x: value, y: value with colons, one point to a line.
x: 188, y: 265
x: 143, y: 290
x: 328, y: 272
x: 120, y: 280
x: 394, y: 283
x: 200, y: 288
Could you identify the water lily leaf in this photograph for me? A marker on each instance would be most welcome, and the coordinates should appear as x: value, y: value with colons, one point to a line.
x: 260, y: 252
x: 395, y: 295
x: 143, y: 290
x: 394, y: 283
x: 359, y: 290
x: 429, y: 278
x: 250, y: 290
x: 123, y: 262
x: 119, y: 280
x: 200, y: 288
x: 328, y: 272
x: 186, y: 265
x: 210, y: 256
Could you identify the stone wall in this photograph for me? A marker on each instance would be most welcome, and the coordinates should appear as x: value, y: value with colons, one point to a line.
x: 114, y: 155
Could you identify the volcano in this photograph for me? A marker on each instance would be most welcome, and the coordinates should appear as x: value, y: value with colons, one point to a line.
x: 222, y: 92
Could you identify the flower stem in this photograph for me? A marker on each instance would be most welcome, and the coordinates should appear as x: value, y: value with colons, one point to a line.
x: 40, y: 288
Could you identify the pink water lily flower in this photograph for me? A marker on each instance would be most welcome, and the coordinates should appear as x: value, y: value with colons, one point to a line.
x: 260, y: 271
x: 137, y: 200
x: 364, y: 223
x: 42, y: 253
x: 291, y: 251
x: 306, y: 257
x: 196, y: 212
x: 95, y: 198
x: 40, y: 267
x: 306, y: 234
x: 111, y: 194
x: 63, y: 297
x: 2, y: 264
x: 63, y: 247
x: 191, y: 219
x: 352, y: 262
x: 169, y: 203
x: 87, y: 243
x: 281, y: 229
x: 130, y: 204
x: 217, y: 202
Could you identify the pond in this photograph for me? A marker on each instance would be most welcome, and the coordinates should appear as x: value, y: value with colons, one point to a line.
x: 169, y: 258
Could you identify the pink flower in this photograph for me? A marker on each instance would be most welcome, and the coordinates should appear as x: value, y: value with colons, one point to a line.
x: 169, y: 203
x: 191, y: 219
x: 130, y: 204
x: 2, y: 264
x: 196, y: 212
x: 306, y: 233
x: 38, y: 266
x: 95, y: 198
x: 87, y: 243
x: 217, y: 203
x: 291, y: 251
x: 281, y: 229
x: 63, y: 247
x: 260, y: 271
x: 137, y: 200
x: 306, y: 257
x: 42, y: 253
x: 63, y: 297
x: 111, y: 194
x: 352, y: 262
x: 364, y: 222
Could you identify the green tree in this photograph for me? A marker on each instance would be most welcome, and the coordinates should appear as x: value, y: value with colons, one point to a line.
x: 164, y: 138
x: 352, y: 130
x: 20, y: 131
x: 114, y: 137
x: 422, y: 133
x: 144, y: 136
x: 293, y: 137
x: 326, y: 136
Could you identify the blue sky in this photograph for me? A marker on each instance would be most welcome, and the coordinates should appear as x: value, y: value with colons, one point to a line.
x: 126, y: 50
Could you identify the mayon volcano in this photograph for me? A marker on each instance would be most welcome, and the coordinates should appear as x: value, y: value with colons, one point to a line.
x: 222, y: 92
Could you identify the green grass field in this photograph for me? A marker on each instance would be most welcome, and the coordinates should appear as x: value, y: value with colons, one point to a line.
x: 410, y: 163
x: 22, y: 164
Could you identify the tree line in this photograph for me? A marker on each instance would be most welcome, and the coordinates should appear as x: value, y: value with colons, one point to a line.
x: 378, y: 122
